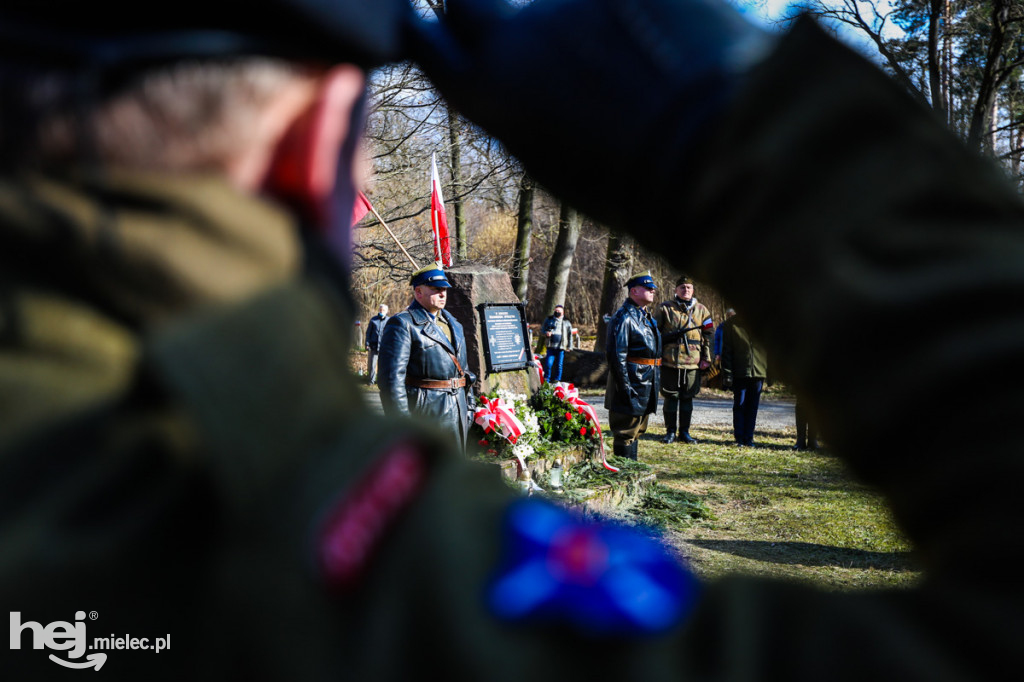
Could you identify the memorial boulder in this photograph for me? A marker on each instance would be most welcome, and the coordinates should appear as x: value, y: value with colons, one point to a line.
x: 493, y: 319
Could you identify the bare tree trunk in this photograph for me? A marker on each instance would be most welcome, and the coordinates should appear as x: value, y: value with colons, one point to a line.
x: 947, y: 61
x: 569, y: 225
x: 981, y: 115
x: 524, y: 230
x: 454, y: 142
x: 1015, y: 138
x: 616, y: 272
x: 992, y: 137
x: 934, y: 63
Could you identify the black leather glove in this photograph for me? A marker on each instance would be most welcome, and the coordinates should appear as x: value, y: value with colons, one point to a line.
x: 577, y: 87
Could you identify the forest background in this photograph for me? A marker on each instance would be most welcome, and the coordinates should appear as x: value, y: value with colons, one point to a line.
x: 961, y: 58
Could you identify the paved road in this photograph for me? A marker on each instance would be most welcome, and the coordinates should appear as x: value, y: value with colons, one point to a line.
x: 706, y: 411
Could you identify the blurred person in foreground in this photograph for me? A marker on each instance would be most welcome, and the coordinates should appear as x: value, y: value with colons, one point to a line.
x: 181, y: 441
x: 726, y: 120
x: 183, y: 451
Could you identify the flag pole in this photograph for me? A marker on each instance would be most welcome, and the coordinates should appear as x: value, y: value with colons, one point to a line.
x: 381, y: 221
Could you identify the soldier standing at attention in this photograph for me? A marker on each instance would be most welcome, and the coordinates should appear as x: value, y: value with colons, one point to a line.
x: 374, y: 329
x: 634, y: 361
x: 686, y: 333
x: 423, y: 361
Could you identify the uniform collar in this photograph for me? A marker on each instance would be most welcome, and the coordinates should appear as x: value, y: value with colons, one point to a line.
x: 421, y: 316
x: 638, y: 309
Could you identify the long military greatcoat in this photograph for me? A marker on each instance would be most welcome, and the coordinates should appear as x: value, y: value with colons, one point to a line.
x: 632, y: 387
x: 414, y: 348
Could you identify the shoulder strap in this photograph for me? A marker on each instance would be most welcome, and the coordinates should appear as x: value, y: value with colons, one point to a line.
x: 447, y: 317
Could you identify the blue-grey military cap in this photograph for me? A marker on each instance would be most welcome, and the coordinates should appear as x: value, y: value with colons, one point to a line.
x: 641, y: 279
x: 432, y: 275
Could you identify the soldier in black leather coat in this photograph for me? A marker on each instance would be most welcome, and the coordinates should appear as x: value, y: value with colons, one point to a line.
x: 423, y: 363
x: 633, y: 350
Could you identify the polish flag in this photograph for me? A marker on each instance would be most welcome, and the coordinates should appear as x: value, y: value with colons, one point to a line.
x: 438, y: 219
x: 361, y: 208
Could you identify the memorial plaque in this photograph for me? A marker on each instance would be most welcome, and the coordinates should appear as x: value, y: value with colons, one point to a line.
x: 505, y: 337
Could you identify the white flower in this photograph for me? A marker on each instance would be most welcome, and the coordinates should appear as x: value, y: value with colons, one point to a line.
x: 530, y: 422
x: 517, y: 401
x: 522, y: 450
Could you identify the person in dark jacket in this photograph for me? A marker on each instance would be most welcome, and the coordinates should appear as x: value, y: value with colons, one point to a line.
x: 374, y: 329
x: 557, y: 332
x: 633, y: 351
x: 423, y: 363
x: 744, y: 370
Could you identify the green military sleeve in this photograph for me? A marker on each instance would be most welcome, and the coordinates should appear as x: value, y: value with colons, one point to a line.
x: 865, y: 214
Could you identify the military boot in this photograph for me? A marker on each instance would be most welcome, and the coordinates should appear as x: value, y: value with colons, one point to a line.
x: 684, y: 427
x: 633, y: 447
x: 670, y: 427
x: 620, y: 449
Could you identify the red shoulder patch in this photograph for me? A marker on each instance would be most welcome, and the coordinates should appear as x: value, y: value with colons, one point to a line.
x: 356, y: 525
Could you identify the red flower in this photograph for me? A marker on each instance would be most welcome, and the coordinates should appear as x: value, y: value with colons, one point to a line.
x: 583, y: 430
x: 492, y: 452
x: 483, y: 399
x: 482, y: 441
x: 568, y: 417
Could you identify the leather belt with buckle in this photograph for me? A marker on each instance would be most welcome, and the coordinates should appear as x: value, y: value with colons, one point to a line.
x: 645, y: 361
x: 443, y: 384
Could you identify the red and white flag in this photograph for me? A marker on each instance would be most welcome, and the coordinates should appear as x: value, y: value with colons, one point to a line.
x: 361, y: 208
x: 438, y: 219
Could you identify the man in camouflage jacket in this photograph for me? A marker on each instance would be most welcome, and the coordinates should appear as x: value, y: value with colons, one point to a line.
x: 687, y: 331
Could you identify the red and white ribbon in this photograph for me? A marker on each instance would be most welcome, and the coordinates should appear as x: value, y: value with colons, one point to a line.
x: 570, y: 394
x: 540, y: 367
x: 495, y: 415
